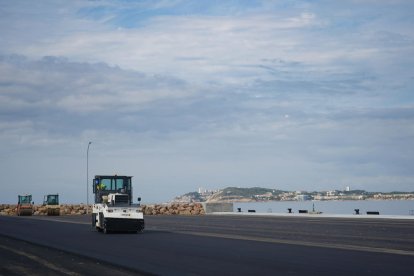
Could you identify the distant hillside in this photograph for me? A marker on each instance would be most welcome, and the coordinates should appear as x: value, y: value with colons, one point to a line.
x: 232, y: 194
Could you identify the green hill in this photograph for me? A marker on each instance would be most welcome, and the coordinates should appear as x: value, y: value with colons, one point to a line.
x: 249, y: 192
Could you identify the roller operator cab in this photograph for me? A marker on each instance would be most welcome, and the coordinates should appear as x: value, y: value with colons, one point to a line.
x: 24, y: 205
x: 52, y: 204
x: 113, y: 209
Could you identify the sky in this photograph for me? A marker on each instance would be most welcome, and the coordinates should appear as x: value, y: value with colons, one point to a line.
x: 181, y: 94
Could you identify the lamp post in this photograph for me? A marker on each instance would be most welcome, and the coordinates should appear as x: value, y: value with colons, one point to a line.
x: 87, y: 179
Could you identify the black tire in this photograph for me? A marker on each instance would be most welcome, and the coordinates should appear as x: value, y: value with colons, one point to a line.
x: 94, y: 220
x: 105, y: 230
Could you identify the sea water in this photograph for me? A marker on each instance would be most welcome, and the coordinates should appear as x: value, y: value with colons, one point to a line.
x: 384, y: 207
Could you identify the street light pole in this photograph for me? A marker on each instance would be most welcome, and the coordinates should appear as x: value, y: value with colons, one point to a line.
x: 87, y: 178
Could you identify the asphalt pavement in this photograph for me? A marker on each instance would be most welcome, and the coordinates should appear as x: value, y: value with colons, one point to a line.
x: 18, y: 257
x: 231, y: 245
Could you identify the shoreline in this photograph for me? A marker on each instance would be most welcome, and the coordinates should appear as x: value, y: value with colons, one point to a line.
x: 310, y: 215
x: 311, y: 200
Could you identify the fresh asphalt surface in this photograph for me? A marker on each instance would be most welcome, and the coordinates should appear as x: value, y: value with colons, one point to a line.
x: 18, y: 257
x: 226, y: 245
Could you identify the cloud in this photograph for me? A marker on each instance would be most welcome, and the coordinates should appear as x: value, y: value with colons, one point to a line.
x: 186, y: 92
x: 149, y: 47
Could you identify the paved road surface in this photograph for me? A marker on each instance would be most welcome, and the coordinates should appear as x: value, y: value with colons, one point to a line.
x: 234, y: 245
x: 22, y: 258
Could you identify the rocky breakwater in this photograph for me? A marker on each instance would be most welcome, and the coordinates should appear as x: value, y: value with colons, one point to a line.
x: 80, y: 209
x: 173, y: 209
x: 40, y: 210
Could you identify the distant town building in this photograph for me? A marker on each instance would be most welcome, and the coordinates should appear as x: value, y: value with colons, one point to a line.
x: 303, y: 197
x: 204, y: 195
x: 203, y: 191
x: 331, y: 193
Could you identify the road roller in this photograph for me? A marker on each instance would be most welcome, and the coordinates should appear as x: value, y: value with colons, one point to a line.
x: 24, y: 205
x: 52, y: 204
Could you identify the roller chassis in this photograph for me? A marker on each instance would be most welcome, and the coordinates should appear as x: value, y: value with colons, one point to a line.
x: 24, y: 210
x: 53, y: 210
x: 106, y: 218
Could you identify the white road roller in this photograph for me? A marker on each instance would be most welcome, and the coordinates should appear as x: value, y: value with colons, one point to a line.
x: 113, y: 210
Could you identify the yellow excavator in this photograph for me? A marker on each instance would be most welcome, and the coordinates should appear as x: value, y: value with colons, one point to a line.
x: 24, y: 205
x: 52, y: 204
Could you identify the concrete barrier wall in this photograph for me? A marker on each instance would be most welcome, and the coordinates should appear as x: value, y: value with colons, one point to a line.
x: 217, y: 207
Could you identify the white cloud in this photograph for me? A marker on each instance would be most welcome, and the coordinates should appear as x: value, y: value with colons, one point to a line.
x: 225, y: 43
x: 217, y: 97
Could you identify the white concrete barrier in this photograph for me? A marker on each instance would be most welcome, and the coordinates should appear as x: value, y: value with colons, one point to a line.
x: 217, y: 207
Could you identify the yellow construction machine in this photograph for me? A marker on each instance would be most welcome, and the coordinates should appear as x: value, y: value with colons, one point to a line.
x: 24, y: 205
x: 52, y: 204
